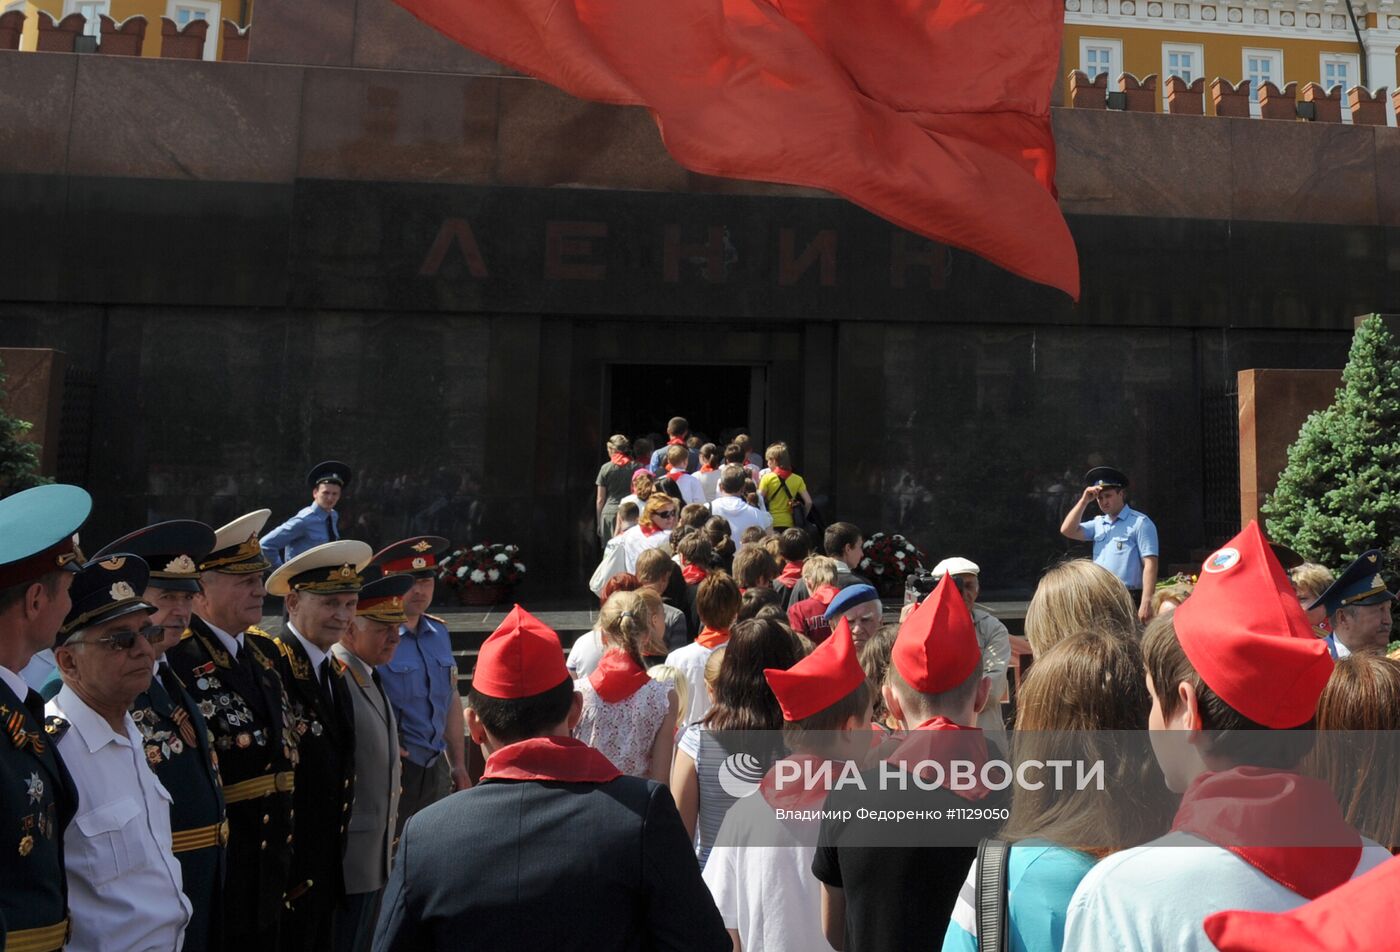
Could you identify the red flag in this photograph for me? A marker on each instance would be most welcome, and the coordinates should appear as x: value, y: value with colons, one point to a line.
x: 933, y: 114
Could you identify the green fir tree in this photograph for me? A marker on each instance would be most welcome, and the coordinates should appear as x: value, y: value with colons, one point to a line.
x: 19, y: 458
x: 1339, y: 495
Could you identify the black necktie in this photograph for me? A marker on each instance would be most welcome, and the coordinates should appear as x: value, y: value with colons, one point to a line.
x: 330, y: 528
x: 325, y: 673
x: 35, y: 703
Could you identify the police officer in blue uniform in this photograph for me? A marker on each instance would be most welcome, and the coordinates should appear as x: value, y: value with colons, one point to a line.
x: 38, y: 556
x: 421, y: 682
x: 1125, y: 540
x: 315, y: 524
x: 321, y: 587
x: 230, y: 668
x: 179, y: 747
x: 1359, y: 606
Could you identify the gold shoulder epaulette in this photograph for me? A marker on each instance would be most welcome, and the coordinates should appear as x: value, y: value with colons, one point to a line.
x: 435, y: 618
x: 187, y: 633
x: 255, y: 630
x: 283, y: 647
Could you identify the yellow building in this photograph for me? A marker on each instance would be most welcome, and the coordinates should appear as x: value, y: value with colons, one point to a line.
x: 1281, y: 41
x: 180, y: 11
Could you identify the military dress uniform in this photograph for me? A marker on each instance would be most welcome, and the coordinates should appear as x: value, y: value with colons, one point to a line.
x: 245, y: 705
x: 325, y: 722
x: 1360, y: 584
x: 178, y: 745
x: 38, y: 798
x: 312, y: 525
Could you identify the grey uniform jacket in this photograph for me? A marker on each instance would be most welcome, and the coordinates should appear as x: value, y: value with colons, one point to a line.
x: 369, y: 841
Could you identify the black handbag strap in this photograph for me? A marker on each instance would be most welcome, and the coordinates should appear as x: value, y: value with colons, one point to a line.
x: 992, y: 856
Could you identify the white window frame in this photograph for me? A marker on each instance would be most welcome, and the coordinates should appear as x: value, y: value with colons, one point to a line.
x: 1198, y: 62
x: 93, y: 27
x: 1275, y: 73
x: 1115, y: 56
x: 211, y: 9
x: 1353, y: 65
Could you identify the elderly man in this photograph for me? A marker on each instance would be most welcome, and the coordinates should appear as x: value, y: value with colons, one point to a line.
x: 229, y: 667
x: 861, y: 607
x: 38, y: 554
x: 421, y: 682
x: 1358, y: 605
x: 368, y: 643
x: 992, y: 638
x: 178, y: 745
x: 315, y: 524
x: 124, y: 883
x: 322, y: 587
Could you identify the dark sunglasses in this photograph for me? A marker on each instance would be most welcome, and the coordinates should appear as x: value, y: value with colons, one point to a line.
x: 668, y: 514
x: 123, y: 638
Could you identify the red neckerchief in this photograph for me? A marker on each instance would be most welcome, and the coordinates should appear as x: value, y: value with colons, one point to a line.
x: 825, y: 594
x: 620, y: 459
x: 674, y: 475
x: 1248, y: 810
x: 944, y: 741
x: 676, y: 441
x: 790, y: 575
x: 617, y: 676
x: 694, y: 574
x: 711, y: 638
x: 550, y: 758
x: 648, y: 530
x: 706, y: 468
x: 795, y: 794
x: 780, y: 472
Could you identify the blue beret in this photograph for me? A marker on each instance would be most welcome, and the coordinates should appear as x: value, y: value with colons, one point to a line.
x: 849, y: 597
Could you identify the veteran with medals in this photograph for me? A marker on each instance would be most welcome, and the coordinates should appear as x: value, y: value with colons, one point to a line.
x: 178, y: 745
x: 229, y: 668
x: 369, y: 841
x: 38, y: 556
x: 125, y: 887
x: 321, y: 587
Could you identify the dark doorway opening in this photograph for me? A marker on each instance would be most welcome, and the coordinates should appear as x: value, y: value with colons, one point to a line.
x: 719, y: 400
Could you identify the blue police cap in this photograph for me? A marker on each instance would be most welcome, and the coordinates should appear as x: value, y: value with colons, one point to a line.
x: 331, y: 471
x: 39, y: 532
x: 849, y: 597
x: 1360, y: 584
x: 105, y: 589
x: 1105, y: 476
x: 172, y: 550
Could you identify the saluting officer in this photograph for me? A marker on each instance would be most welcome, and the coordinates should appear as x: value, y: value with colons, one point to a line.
x: 421, y: 681
x: 315, y: 524
x: 322, y: 587
x: 38, y: 556
x: 178, y: 745
x: 230, y: 669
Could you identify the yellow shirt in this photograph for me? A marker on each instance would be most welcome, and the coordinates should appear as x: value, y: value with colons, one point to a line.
x: 779, y: 505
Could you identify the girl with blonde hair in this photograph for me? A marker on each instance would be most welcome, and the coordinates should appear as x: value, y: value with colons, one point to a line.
x: 627, y: 715
x: 1077, y: 596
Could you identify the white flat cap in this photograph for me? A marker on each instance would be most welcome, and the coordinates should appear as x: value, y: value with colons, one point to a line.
x: 956, y: 565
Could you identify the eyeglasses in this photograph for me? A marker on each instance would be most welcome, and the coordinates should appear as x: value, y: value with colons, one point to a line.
x: 123, y: 638
x: 668, y: 514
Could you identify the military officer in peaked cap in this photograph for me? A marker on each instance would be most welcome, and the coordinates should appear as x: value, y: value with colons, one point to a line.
x: 368, y: 643
x: 322, y: 587
x: 38, y: 556
x: 1125, y: 540
x: 125, y: 886
x: 315, y: 524
x: 177, y: 741
x: 421, y: 682
x: 230, y: 669
x: 1359, y: 607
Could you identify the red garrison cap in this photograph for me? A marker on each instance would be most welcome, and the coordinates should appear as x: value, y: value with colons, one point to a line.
x: 936, y: 649
x: 1356, y: 915
x: 522, y: 658
x: 819, y: 680
x: 1248, y: 638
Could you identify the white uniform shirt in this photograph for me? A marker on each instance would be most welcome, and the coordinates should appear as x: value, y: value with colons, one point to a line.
x: 740, y: 515
x: 124, y: 884
x: 690, y: 662
x: 1157, y: 896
